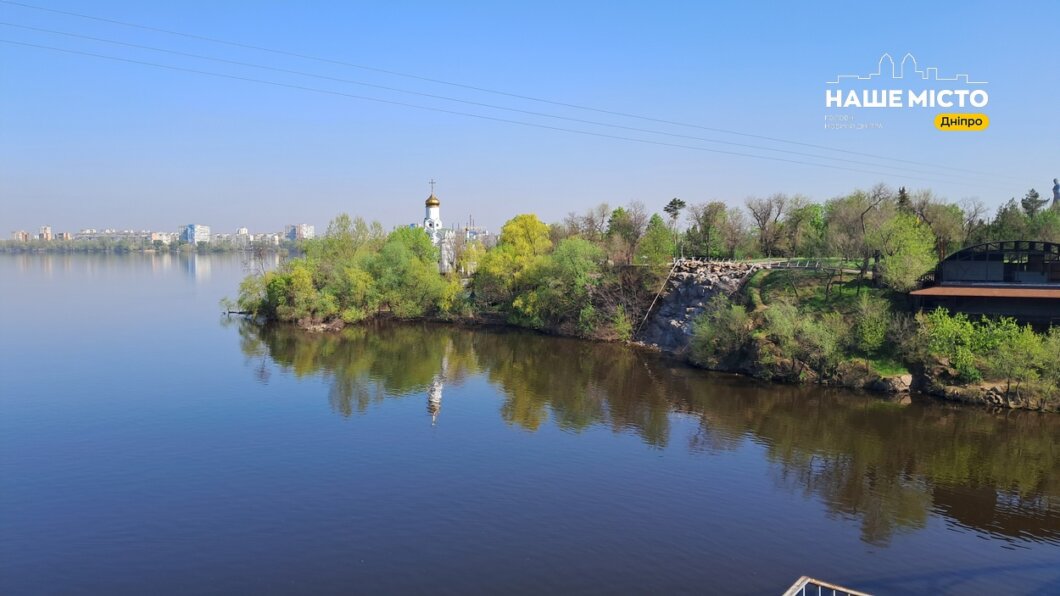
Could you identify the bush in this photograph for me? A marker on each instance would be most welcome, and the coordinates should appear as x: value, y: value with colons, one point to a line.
x: 621, y: 324
x: 724, y: 329
x: 949, y: 339
x: 873, y: 316
x: 822, y: 341
x: 996, y: 349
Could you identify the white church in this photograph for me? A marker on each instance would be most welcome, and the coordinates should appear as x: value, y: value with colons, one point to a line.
x: 443, y: 238
x: 446, y: 238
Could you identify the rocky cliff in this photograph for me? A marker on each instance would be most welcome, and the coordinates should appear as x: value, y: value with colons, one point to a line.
x: 690, y: 288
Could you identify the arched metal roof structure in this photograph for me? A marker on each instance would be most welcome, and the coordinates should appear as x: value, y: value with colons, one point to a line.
x: 1015, y: 262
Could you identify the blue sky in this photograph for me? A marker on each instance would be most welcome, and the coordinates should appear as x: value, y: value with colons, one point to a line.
x: 89, y: 142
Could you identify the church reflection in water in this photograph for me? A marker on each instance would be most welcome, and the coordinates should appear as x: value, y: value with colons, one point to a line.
x: 434, y: 395
x: 886, y: 464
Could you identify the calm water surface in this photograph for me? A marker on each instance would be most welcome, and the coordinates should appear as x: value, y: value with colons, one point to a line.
x: 148, y: 445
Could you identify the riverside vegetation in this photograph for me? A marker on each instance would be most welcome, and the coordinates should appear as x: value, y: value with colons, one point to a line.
x: 595, y: 276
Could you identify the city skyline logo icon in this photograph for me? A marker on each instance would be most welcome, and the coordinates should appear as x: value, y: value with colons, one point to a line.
x: 910, y: 65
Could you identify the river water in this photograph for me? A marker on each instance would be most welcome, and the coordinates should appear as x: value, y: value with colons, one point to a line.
x: 150, y: 445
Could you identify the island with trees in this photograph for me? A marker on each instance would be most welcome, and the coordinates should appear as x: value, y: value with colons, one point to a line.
x: 598, y: 275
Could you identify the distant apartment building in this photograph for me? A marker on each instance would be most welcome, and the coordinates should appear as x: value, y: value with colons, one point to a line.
x: 163, y: 237
x: 272, y: 239
x: 299, y: 232
x: 64, y: 236
x: 45, y: 233
x: 113, y: 234
x: 195, y: 233
x: 20, y: 236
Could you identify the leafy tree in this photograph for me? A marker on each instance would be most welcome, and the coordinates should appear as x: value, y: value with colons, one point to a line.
x: 946, y: 221
x: 527, y: 237
x: 657, y: 246
x: 906, y: 247
x: 1010, y: 223
x: 406, y: 274
x: 872, y: 318
x: 557, y: 290
x: 803, y: 229
x: 1046, y: 225
x: 706, y: 228
x: 523, y: 242
x: 625, y: 228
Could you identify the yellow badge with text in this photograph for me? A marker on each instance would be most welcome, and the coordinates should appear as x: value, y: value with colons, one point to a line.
x: 962, y: 121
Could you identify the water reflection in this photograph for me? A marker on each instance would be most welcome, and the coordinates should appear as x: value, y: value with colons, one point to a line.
x: 886, y: 465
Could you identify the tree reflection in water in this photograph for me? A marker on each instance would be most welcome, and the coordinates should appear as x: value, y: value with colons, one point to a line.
x: 884, y: 464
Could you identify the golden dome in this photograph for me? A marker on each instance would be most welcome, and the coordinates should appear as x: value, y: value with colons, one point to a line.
x: 432, y: 201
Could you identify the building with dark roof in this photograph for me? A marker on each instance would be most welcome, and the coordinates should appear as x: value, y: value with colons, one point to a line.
x: 1019, y: 279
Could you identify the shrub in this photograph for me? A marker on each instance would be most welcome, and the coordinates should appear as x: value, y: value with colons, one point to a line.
x: 873, y: 317
x: 1011, y: 353
x: 950, y: 338
x: 822, y: 341
x: 621, y: 324
x: 722, y: 330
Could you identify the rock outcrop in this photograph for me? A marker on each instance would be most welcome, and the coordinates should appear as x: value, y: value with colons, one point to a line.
x: 690, y: 288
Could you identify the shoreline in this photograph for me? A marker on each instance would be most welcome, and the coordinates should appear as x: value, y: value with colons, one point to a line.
x: 985, y: 395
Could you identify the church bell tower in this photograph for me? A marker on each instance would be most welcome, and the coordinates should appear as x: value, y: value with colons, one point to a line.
x: 432, y: 220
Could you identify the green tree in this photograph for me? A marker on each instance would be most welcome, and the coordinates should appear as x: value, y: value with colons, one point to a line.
x: 945, y: 220
x: 706, y: 229
x: 673, y: 210
x: 1010, y: 223
x: 657, y: 246
x: 557, y: 291
x: 406, y: 274
x: 905, y: 205
x: 872, y: 320
x: 803, y: 229
x: 907, y: 250
x: 625, y: 228
x: 523, y: 242
x: 1032, y: 203
x: 527, y: 237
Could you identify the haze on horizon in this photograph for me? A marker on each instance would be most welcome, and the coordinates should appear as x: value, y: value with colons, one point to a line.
x: 144, y: 142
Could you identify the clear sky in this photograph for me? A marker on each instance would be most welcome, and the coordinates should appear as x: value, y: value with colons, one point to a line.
x: 91, y: 142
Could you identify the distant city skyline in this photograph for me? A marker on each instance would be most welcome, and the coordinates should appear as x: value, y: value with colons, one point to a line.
x: 301, y: 112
